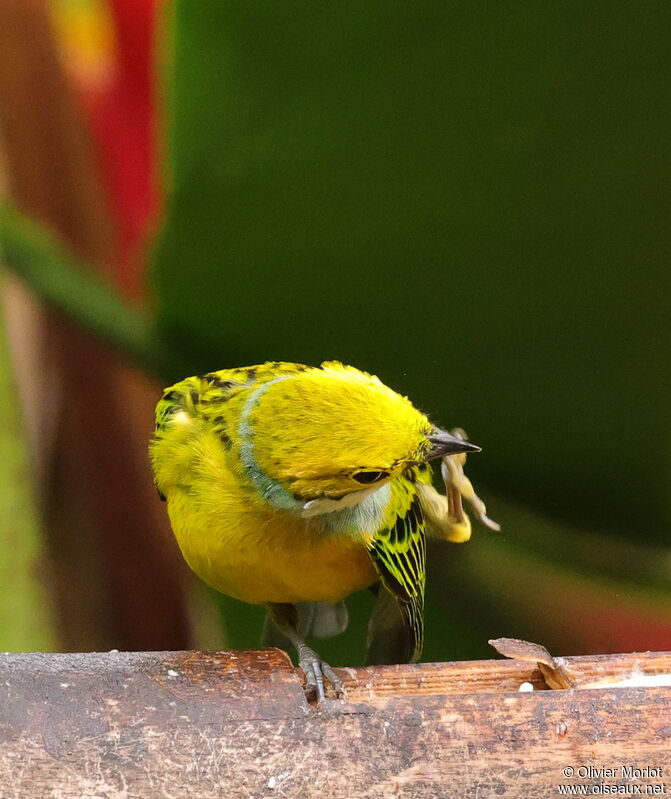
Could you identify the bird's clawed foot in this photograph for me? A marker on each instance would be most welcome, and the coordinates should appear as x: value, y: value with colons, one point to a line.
x: 315, y: 670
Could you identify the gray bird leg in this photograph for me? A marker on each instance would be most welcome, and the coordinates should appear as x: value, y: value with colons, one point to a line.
x: 285, y: 618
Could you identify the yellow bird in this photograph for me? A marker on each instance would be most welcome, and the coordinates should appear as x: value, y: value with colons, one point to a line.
x: 288, y: 484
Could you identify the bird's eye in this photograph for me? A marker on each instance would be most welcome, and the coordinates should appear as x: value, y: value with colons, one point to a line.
x: 370, y: 477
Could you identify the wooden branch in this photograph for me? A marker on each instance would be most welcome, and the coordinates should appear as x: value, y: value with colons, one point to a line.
x: 237, y: 724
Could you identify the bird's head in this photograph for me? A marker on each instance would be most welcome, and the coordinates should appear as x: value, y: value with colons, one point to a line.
x: 335, y: 432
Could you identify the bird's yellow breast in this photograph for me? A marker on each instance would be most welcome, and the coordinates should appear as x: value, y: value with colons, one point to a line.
x: 248, y: 553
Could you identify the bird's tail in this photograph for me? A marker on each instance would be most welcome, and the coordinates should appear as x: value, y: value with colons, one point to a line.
x: 392, y: 631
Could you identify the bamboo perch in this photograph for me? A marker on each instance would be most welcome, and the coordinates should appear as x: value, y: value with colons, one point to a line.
x: 237, y: 724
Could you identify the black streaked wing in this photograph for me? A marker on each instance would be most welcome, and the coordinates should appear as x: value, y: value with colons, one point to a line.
x: 399, y: 554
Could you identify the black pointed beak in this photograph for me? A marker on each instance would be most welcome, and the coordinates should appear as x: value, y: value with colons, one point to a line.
x: 443, y: 443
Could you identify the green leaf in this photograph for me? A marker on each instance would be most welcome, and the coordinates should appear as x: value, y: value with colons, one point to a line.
x: 54, y: 275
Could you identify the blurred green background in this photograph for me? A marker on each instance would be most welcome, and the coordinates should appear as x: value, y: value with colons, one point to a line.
x: 467, y: 199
